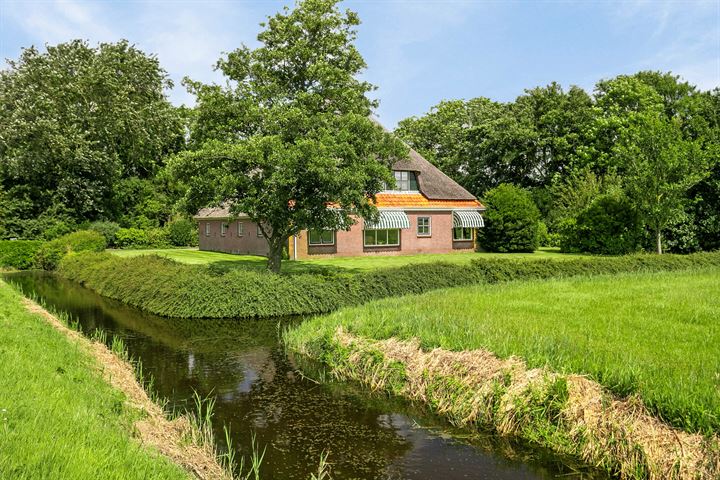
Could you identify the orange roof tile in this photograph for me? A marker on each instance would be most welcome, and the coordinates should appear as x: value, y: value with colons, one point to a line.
x: 418, y: 200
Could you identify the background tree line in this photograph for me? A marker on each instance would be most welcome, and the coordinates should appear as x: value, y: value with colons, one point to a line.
x: 87, y: 134
x: 634, y: 165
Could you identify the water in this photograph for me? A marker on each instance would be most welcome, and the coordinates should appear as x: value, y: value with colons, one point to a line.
x: 259, y: 392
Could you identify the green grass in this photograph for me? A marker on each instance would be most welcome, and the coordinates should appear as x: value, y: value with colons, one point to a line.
x: 657, y: 335
x: 58, y: 417
x: 252, y: 262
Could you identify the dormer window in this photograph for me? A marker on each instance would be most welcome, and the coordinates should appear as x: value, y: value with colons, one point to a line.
x: 405, y: 181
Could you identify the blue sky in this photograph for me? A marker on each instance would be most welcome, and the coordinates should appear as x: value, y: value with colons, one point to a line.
x: 418, y: 52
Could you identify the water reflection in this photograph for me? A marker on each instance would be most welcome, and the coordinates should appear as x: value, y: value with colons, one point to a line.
x: 258, y: 391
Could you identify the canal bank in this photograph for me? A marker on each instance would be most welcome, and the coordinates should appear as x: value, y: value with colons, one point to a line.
x: 259, y: 391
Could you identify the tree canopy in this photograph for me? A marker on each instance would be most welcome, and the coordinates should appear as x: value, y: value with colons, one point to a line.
x: 290, y: 135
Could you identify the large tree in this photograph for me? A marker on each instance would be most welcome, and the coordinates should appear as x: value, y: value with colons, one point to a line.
x: 74, y: 121
x: 289, y: 140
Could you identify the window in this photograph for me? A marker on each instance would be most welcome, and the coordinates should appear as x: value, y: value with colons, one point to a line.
x: 241, y: 229
x: 381, y: 238
x: 321, y: 237
x: 423, y: 226
x: 207, y: 229
x: 223, y: 228
x: 259, y: 232
x: 462, y: 233
x: 405, y: 181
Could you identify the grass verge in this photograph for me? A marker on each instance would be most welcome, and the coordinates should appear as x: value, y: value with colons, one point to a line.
x: 645, y: 345
x: 169, y: 288
x: 73, y: 409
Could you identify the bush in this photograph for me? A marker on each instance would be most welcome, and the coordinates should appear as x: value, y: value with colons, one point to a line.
x: 609, y: 226
x: 107, y: 229
x: 18, y: 253
x: 511, y: 221
x: 158, y: 238
x: 131, y: 238
x: 183, y: 233
x: 165, y: 287
x: 50, y: 253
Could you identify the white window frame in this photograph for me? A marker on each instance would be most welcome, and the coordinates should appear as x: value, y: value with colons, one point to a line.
x: 404, y: 182
x: 207, y: 229
x: 259, y: 232
x: 240, y: 229
x: 429, y: 226
x: 386, y: 230
x: 463, y: 239
x: 321, y: 244
x: 223, y: 228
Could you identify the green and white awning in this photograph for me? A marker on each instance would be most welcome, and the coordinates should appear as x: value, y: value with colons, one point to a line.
x: 389, y: 219
x: 467, y: 219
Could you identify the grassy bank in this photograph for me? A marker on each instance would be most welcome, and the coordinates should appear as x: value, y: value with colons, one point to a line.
x: 170, y: 288
x: 650, y: 340
x: 58, y: 416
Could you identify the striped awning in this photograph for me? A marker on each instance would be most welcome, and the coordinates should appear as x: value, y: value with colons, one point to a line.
x: 467, y: 219
x: 389, y: 219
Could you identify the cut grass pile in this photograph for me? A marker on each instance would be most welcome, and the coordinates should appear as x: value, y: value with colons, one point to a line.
x: 654, y: 335
x: 58, y: 417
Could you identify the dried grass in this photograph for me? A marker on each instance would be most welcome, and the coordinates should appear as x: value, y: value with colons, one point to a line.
x: 154, y: 429
x: 475, y: 388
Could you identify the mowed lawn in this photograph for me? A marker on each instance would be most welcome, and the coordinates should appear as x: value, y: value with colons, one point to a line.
x: 657, y: 335
x: 195, y: 256
x: 58, y: 417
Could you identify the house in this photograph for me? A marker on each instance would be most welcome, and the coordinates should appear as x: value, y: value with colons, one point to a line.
x: 427, y: 212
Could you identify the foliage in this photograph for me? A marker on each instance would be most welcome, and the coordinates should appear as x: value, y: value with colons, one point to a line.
x: 86, y: 424
x: 131, y: 238
x: 620, y: 338
x: 291, y: 132
x: 18, y: 253
x: 182, y: 232
x: 50, y: 253
x: 165, y: 287
x: 609, y: 226
x: 511, y: 221
x: 107, y: 229
x: 75, y: 121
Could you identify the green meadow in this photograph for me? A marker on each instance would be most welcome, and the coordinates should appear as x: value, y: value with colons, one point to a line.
x: 58, y: 417
x: 655, y: 335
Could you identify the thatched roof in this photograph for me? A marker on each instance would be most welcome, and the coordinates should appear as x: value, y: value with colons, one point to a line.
x: 432, y: 183
x: 223, y: 211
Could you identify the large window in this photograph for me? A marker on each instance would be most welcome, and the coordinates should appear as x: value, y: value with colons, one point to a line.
x: 462, y: 233
x: 223, y: 228
x: 423, y: 227
x: 405, y: 181
x: 321, y: 237
x: 241, y: 229
x: 381, y: 238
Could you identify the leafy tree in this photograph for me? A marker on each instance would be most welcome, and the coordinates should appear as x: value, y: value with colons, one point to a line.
x: 511, y: 221
x: 660, y: 168
x: 75, y: 120
x: 291, y: 134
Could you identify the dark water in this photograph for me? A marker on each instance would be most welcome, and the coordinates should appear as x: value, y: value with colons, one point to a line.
x: 258, y: 391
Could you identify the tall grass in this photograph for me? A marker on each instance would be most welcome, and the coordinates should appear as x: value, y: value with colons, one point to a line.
x: 652, y: 335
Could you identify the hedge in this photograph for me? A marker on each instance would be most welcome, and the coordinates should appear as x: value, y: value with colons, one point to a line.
x: 165, y: 287
x: 18, y: 253
x: 50, y: 253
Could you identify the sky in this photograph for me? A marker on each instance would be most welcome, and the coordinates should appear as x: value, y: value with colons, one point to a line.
x: 418, y: 52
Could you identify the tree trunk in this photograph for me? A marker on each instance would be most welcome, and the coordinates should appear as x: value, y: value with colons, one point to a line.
x: 275, y: 255
x: 658, y: 238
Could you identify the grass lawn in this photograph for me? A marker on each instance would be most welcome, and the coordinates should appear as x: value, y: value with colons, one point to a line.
x: 58, y: 417
x: 657, y: 335
x: 195, y: 256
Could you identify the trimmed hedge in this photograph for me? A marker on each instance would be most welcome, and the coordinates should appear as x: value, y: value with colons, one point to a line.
x: 18, y: 253
x: 165, y: 287
x: 50, y: 253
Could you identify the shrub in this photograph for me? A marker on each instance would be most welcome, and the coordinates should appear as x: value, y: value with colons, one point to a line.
x: 183, y: 233
x: 18, y: 253
x: 107, y: 229
x: 609, y: 226
x: 50, y: 253
x: 131, y: 238
x: 165, y: 287
x: 511, y: 221
x: 158, y: 238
